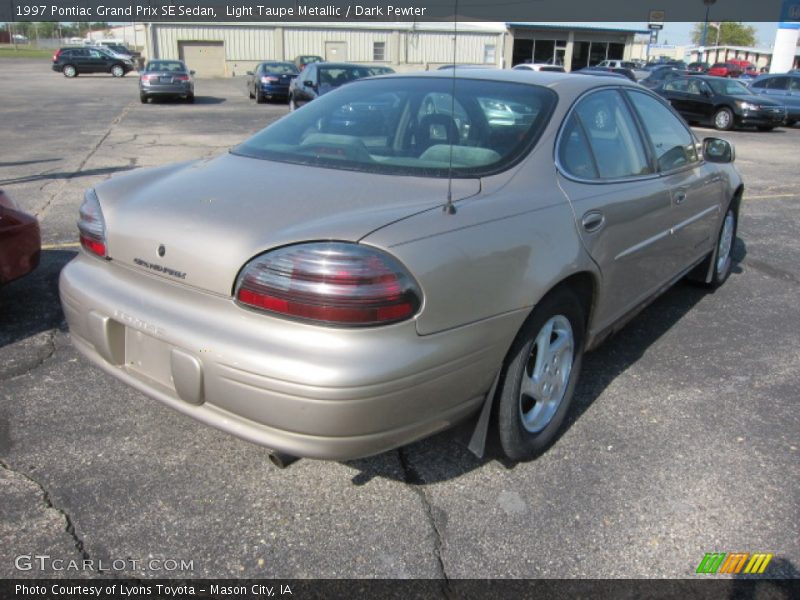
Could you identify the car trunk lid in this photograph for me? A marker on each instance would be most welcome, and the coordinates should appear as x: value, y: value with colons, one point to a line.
x: 199, y: 223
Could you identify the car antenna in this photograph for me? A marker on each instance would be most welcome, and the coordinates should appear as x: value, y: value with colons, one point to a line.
x: 449, y: 207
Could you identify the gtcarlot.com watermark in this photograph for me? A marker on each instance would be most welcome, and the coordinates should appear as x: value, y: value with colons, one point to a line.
x: 45, y: 562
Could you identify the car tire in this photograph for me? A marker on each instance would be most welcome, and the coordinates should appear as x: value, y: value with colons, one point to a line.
x: 143, y: 98
x: 723, y: 255
x: 723, y: 119
x: 292, y: 105
x: 260, y: 98
x: 118, y: 71
x: 790, y: 122
x: 549, y: 347
x: 69, y: 71
x: 190, y: 99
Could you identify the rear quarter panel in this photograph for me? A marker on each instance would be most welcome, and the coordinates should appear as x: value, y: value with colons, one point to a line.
x: 500, y: 252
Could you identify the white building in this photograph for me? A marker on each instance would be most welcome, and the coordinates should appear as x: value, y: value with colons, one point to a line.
x: 229, y: 49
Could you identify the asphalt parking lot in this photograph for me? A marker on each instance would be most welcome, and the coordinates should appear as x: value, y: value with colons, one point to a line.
x: 685, y: 437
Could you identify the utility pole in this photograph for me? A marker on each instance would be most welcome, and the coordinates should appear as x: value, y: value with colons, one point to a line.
x: 708, y: 4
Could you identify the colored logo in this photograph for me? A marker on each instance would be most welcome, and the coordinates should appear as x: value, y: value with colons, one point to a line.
x: 734, y: 562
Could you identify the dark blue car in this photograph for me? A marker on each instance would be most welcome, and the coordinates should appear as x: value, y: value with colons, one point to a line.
x: 783, y: 88
x: 271, y: 80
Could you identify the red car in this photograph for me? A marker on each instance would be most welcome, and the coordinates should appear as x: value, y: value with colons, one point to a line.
x: 727, y: 69
x: 20, y: 241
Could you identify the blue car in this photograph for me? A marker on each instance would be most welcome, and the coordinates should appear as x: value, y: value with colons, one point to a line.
x: 271, y: 80
x: 783, y: 88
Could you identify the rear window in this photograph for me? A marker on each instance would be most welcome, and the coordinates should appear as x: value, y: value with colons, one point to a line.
x: 411, y: 126
x: 279, y: 69
x: 165, y: 65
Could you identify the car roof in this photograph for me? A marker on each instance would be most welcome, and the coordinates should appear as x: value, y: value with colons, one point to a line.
x: 559, y: 82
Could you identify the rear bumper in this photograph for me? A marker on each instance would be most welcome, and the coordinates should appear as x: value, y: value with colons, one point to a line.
x: 299, y: 389
x: 166, y: 90
x: 274, y: 91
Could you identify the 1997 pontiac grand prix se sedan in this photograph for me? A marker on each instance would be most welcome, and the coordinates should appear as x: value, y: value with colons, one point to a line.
x: 400, y: 258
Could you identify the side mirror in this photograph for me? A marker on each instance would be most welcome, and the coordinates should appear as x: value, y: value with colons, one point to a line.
x: 717, y: 150
x: 309, y: 83
x: 250, y: 73
x: 191, y: 72
x: 707, y: 93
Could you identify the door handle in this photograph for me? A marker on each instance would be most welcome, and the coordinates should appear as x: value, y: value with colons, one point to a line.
x: 593, y: 220
x: 679, y: 197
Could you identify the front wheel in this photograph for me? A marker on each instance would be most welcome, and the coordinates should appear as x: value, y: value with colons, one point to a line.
x: 723, y: 119
x: 724, y: 254
x: 539, y: 378
x: 117, y: 71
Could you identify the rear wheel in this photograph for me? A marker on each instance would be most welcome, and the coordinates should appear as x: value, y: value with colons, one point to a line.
x: 190, y: 99
x: 260, y: 99
x: 143, y: 98
x: 117, y: 71
x: 723, y: 119
x: 69, y: 71
x: 250, y: 93
x: 539, y: 378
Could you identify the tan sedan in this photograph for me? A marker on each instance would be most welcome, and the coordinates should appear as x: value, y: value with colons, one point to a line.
x: 399, y: 255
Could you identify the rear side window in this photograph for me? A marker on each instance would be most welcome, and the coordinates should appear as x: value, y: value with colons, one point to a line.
x: 612, y: 136
x: 777, y: 83
x: 574, y: 153
x: 673, y: 144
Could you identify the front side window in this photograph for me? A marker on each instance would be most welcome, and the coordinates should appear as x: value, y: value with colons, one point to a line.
x: 428, y: 127
x: 673, y: 144
x: 612, y: 135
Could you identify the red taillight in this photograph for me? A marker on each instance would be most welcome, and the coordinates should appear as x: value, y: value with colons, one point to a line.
x: 270, y: 79
x: 56, y: 55
x: 181, y: 78
x: 335, y: 283
x: 148, y: 77
x: 92, y: 226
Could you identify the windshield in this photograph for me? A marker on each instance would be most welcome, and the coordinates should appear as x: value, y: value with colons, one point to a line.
x: 728, y: 87
x: 411, y: 126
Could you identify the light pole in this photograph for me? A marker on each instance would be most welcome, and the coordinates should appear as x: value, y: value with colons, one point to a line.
x: 708, y: 4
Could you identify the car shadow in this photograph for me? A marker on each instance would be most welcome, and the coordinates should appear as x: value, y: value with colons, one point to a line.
x: 450, y: 456
x: 30, y: 305
x: 66, y: 174
x: 780, y: 580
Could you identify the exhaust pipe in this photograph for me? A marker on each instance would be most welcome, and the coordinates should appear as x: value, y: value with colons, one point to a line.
x: 281, y: 460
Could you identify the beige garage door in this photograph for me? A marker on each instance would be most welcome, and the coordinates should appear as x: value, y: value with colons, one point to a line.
x: 207, y: 59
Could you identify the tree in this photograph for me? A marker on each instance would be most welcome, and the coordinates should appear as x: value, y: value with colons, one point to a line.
x: 731, y: 33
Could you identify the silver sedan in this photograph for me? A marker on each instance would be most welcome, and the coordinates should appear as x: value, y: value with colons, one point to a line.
x: 378, y: 266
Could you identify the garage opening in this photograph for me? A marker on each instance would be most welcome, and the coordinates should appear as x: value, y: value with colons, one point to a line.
x: 207, y: 59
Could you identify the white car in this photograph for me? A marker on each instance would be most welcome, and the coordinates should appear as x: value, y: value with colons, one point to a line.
x: 539, y: 67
